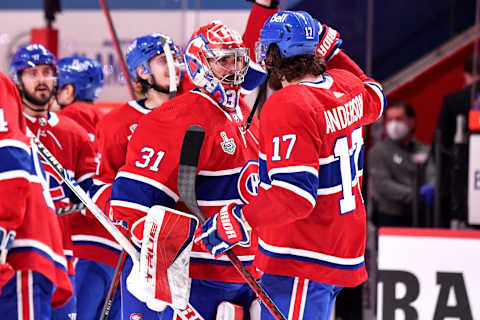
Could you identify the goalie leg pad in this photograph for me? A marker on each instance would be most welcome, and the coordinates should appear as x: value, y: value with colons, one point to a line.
x: 161, y: 277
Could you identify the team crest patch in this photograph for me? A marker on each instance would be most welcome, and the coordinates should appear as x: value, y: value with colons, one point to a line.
x: 136, y: 316
x: 228, y: 144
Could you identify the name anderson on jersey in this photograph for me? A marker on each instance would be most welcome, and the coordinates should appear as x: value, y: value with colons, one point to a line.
x: 340, y: 117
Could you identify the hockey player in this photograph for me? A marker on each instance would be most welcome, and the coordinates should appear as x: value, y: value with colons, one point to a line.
x: 32, y: 264
x: 115, y: 130
x: 80, y: 81
x: 216, y: 61
x: 33, y: 68
x: 309, y: 214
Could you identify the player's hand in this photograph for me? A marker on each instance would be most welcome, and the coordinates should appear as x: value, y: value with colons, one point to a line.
x: 225, y: 230
x: 329, y: 42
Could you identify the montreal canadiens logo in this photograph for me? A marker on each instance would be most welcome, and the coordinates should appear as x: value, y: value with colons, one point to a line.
x: 55, y: 184
x: 136, y: 316
x: 248, y: 181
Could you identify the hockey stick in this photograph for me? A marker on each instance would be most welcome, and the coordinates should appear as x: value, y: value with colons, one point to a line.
x: 70, y: 209
x: 187, y: 171
x: 113, y: 286
x: 116, y: 45
x: 89, y: 204
x: 262, y: 92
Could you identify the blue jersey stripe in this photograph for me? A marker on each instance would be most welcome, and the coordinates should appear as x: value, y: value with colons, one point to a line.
x: 130, y: 190
x: 15, y: 159
x: 211, y: 188
x: 264, y: 172
x: 304, y: 180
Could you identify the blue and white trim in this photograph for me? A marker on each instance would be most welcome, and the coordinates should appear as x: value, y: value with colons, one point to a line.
x: 377, y: 88
x: 310, y: 256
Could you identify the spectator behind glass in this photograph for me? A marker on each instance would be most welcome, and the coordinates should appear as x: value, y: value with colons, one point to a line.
x: 454, y: 105
x: 392, y: 169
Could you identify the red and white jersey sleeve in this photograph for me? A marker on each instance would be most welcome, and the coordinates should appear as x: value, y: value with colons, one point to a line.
x: 311, y: 163
x: 90, y: 239
x: 26, y: 206
x: 70, y: 145
x: 15, y: 168
x: 227, y: 170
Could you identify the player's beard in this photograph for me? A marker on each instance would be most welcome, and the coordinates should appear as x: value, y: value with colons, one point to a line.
x: 40, y: 101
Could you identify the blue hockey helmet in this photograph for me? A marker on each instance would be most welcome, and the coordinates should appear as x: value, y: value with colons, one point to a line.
x: 142, y: 49
x: 84, y: 74
x: 295, y: 33
x: 30, y: 56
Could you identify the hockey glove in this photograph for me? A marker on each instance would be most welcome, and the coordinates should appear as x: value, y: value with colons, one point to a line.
x: 329, y: 42
x: 427, y: 191
x: 225, y: 230
x: 6, y: 241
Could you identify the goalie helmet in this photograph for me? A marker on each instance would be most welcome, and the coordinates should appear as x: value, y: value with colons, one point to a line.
x: 84, y: 74
x: 215, y: 43
x: 30, y: 56
x: 142, y: 49
x: 294, y: 32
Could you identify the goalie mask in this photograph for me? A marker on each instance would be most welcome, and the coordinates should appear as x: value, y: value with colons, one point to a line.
x: 217, y: 60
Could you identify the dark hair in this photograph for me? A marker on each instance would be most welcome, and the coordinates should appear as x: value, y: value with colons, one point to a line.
x: 468, y: 66
x: 409, y: 111
x: 293, y: 67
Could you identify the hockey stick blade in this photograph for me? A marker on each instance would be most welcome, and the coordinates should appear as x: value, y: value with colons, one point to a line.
x: 91, y: 206
x: 70, y: 209
x: 187, y: 171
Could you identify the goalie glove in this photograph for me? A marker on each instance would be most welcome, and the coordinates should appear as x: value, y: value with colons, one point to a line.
x: 6, y: 241
x: 224, y: 230
x: 329, y: 42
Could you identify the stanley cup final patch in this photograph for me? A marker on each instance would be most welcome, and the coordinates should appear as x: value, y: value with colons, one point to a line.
x: 228, y: 144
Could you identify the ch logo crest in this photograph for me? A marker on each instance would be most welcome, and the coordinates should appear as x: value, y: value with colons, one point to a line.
x: 248, y: 181
x: 228, y: 144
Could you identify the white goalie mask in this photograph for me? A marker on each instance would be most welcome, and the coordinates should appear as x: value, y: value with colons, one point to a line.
x: 217, y: 60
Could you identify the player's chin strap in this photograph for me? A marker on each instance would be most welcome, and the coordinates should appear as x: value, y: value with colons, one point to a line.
x: 171, y: 67
x: 171, y: 72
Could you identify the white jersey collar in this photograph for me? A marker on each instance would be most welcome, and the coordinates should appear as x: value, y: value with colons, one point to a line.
x: 52, y: 118
x: 135, y: 105
x: 324, y: 81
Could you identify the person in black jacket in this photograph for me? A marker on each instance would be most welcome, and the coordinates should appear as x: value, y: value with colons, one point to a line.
x: 454, y: 156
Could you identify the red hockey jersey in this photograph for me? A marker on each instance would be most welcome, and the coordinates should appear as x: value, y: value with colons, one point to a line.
x: 70, y: 145
x: 227, y: 170
x: 85, y: 114
x: 92, y: 241
x: 26, y: 206
x: 310, y: 214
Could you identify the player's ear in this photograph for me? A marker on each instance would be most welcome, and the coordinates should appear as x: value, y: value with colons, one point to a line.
x: 66, y: 95
x: 143, y: 73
